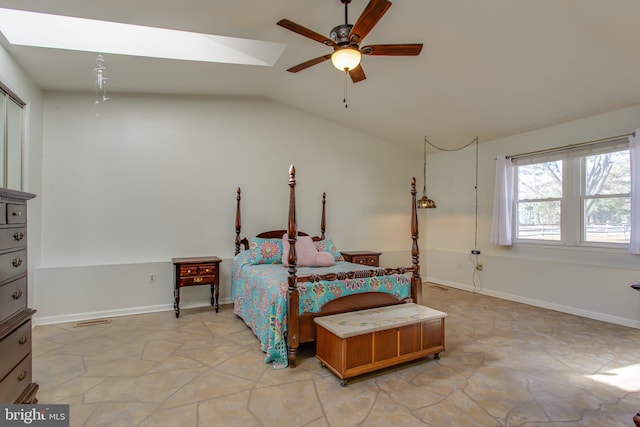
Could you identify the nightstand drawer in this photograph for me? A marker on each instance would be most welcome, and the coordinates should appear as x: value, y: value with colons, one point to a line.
x: 366, y: 260
x: 198, y: 270
x: 197, y: 280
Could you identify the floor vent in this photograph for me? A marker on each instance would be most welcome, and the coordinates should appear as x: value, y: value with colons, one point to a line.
x: 92, y: 323
x: 442, y: 288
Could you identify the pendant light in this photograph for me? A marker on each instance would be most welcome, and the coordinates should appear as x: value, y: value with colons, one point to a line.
x: 425, y: 202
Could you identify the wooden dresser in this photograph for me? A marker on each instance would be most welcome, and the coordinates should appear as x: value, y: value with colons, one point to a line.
x: 16, y: 382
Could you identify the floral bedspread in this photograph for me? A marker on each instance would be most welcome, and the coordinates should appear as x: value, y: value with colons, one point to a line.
x: 259, y: 294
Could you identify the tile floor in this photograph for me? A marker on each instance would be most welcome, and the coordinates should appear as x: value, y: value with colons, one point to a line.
x: 506, y: 364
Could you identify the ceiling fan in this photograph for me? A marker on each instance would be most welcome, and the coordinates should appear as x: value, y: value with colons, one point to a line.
x: 345, y: 40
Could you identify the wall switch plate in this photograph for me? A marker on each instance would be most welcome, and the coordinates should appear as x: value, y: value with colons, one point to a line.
x: 152, y: 277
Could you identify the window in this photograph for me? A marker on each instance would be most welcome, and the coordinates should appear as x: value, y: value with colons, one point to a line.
x: 579, y: 196
x: 10, y: 142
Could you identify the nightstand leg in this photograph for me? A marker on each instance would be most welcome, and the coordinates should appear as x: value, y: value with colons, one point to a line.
x: 215, y: 291
x: 176, y: 302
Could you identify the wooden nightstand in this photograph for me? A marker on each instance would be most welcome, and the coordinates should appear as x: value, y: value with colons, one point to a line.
x: 362, y: 257
x: 195, y: 271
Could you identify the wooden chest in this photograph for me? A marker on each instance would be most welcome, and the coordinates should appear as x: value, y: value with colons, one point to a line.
x: 359, y: 342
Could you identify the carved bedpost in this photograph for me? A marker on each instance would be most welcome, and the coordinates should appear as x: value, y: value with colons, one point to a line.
x: 294, y: 296
x: 323, y: 222
x: 238, y: 222
x: 416, y: 281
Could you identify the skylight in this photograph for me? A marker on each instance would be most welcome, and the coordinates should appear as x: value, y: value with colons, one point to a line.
x: 63, y: 32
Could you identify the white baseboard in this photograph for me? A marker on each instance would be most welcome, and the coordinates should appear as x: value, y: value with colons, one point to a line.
x: 537, y: 303
x: 78, y: 317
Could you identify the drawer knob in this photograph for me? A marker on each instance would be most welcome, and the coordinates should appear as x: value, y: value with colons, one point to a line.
x: 17, y: 262
x: 22, y: 375
x: 16, y: 213
x: 17, y: 294
x: 197, y: 279
x: 18, y: 236
x: 23, y: 340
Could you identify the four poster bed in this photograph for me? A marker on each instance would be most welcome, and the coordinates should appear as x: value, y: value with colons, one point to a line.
x: 279, y: 302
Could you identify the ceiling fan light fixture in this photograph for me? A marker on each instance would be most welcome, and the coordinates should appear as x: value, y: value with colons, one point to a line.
x: 346, y: 58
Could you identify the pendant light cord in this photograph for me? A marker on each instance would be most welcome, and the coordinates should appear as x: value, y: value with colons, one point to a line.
x: 424, y: 170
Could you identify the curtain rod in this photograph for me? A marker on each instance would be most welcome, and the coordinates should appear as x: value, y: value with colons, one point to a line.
x: 579, y: 144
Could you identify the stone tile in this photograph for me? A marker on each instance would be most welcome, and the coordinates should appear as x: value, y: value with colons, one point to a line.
x: 346, y: 406
x: 228, y: 411
x: 245, y: 365
x: 159, y: 350
x: 207, y: 385
x: 182, y: 416
x: 386, y: 412
x: 298, y: 406
x: 121, y: 414
x: 155, y: 387
x: 457, y: 409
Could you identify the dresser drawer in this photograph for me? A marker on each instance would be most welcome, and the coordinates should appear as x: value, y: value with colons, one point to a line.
x: 13, y: 238
x: 16, y: 381
x: 16, y: 213
x: 13, y: 264
x: 14, y: 347
x: 13, y: 297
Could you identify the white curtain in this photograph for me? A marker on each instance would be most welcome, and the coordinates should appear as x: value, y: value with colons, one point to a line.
x: 502, y: 203
x: 634, y: 152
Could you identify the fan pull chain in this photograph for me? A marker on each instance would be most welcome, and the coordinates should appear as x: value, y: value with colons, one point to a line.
x: 345, y: 89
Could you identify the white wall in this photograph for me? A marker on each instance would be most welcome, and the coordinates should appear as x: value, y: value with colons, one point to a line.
x: 588, y: 282
x: 141, y: 179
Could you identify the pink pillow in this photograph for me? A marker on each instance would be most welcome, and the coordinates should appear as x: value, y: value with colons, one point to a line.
x: 306, y: 252
x: 325, y: 259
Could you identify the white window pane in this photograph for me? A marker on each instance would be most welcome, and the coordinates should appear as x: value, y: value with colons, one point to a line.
x: 540, y: 180
x: 607, y: 220
x: 608, y: 173
x: 539, y: 220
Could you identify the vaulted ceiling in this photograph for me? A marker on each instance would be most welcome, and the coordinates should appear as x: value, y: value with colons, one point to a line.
x: 489, y: 68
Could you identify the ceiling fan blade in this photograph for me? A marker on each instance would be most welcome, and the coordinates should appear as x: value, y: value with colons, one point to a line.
x: 309, y: 63
x: 357, y: 74
x: 303, y: 31
x: 411, y: 49
x: 368, y: 19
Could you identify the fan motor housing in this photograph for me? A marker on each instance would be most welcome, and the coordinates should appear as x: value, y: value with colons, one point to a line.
x: 340, y: 34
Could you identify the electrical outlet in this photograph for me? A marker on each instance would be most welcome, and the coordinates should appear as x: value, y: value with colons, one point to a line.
x: 152, y: 277
x: 479, y: 266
